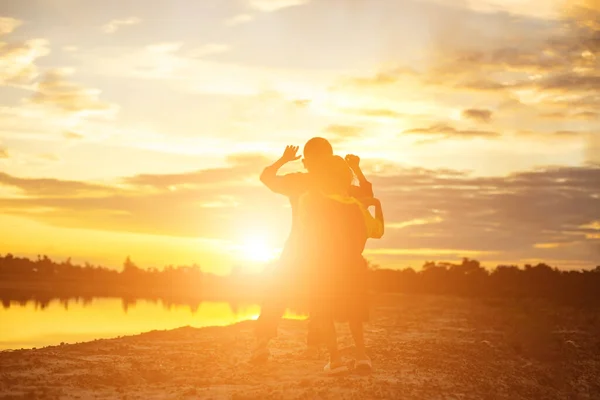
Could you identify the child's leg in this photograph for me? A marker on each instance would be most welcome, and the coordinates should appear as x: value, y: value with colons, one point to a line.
x: 330, y: 337
x: 313, y: 337
x: 356, y: 328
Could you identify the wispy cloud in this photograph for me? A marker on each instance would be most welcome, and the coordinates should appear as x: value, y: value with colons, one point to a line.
x: 49, y: 157
x: 274, y: 5
x: 344, y: 131
x: 7, y: 25
x: 17, y: 60
x: 72, y: 135
x: 592, y: 150
x: 448, y: 131
x: 478, y: 115
x: 52, y: 187
x: 375, y: 112
x: 386, y: 77
x: 414, y: 222
x: 56, y: 90
x: 239, y: 19
x: 116, y: 24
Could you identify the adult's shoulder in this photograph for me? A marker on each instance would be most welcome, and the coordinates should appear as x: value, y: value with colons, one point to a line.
x: 298, y: 176
x: 291, y: 185
x: 298, y: 183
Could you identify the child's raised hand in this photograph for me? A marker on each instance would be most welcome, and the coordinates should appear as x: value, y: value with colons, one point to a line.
x: 353, y: 161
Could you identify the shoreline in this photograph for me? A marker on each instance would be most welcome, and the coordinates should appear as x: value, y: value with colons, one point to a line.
x: 421, y: 347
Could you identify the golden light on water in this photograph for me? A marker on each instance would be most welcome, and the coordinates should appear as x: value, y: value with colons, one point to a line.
x: 75, y: 321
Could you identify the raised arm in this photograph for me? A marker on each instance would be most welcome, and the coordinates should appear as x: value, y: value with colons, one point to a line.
x: 269, y: 177
x: 365, y: 188
x: 375, y: 226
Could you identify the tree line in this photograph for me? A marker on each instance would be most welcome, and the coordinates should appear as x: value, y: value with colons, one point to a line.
x: 21, y: 278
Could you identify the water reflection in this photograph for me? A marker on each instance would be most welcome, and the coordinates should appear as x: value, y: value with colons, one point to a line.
x: 42, y: 302
x: 37, y: 321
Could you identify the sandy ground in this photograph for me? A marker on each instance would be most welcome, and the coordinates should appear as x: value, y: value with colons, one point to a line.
x: 423, y: 347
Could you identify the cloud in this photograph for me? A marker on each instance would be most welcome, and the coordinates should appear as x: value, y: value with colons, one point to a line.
x: 3, y: 153
x: 17, y: 59
x: 275, y: 5
x: 55, y: 90
x: 49, y: 157
x: 344, y: 131
x: 52, y: 187
x: 211, y: 203
x: 592, y: 150
x: 241, y: 166
x: 382, y: 78
x: 435, y: 212
x: 586, y: 115
x: 505, y: 214
x: 549, y: 245
x: 565, y: 115
x: 571, y: 82
x: 481, y: 84
x: 302, y: 103
x: 7, y: 25
x: 115, y: 24
x: 449, y: 132
x: 540, y: 9
x: 429, y: 252
x: 375, y: 112
x: 568, y: 133
x: 537, y: 70
x: 387, y: 77
x: 72, y: 135
x: 478, y: 115
x: 413, y: 222
x: 585, y: 13
x: 546, y: 55
x: 239, y: 19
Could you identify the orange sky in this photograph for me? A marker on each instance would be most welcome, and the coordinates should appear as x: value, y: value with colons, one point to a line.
x: 140, y: 127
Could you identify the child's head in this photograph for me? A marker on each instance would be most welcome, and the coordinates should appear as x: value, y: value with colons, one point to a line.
x: 334, y: 176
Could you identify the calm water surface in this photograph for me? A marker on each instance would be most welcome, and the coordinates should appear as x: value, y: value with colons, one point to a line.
x: 27, y: 325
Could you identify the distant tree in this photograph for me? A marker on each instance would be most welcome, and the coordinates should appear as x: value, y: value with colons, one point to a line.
x: 129, y: 266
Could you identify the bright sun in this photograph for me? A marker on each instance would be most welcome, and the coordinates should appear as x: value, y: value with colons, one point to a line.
x: 257, y: 249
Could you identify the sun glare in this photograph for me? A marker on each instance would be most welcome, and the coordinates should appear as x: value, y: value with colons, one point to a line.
x: 258, y: 249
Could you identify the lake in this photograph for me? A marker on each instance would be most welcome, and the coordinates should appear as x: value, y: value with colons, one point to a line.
x: 33, y: 324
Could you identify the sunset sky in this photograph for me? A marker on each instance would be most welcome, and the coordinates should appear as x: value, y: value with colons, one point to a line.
x: 139, y: 127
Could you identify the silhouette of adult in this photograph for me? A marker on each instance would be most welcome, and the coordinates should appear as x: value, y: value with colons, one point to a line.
x: 289, y: 276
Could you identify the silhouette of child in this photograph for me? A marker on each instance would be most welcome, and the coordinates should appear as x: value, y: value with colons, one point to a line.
x: 334, y: 228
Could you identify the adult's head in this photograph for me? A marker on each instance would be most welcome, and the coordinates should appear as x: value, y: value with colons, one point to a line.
x: 316, y: 151
x: 334, y: 176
